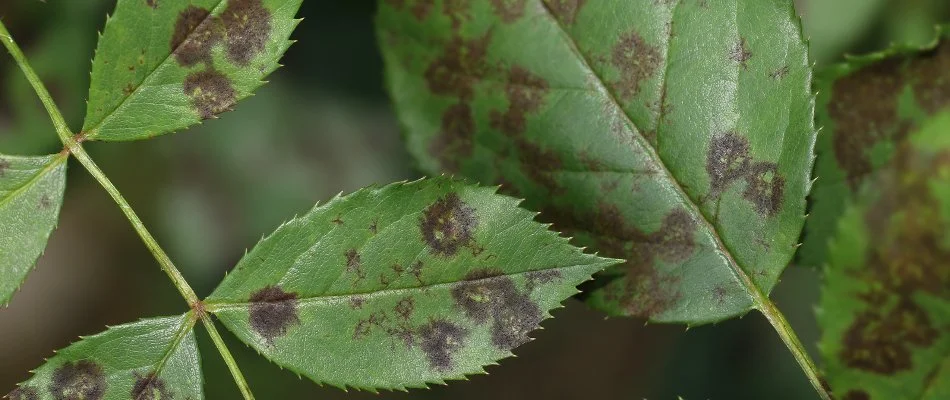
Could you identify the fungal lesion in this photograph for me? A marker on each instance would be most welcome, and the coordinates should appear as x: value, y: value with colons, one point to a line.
x: 729, y: 161
x: 83, y: 379
x: 448, y: 225
x: 272, y: 312
x: 151, y: 387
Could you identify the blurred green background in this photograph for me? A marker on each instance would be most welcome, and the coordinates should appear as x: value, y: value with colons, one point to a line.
x: 324, y: 125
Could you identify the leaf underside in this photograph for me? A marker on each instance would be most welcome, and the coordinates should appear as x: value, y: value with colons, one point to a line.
x: 164, y: 65
x: 866, y: 107
x: 400, y: 286
x: 885, y: 307
x: 677, y: 135
x: 150, y: 359
x: 31, y: 195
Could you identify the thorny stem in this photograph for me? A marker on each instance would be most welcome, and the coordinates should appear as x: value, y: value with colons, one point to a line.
x: 228, y: 359
x: 73, y: 145
x: 785, y: 331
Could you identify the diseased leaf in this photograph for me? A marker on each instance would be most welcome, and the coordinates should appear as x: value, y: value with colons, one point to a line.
x: 867, y: 107
x: 400, y: 286
x: 147, y: 360
x: 31, y: 194
x: 675, y: 134
x: 885, y: 307
x: 164, y: 65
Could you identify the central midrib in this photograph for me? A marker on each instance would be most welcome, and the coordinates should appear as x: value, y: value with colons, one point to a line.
x: 756, y: 294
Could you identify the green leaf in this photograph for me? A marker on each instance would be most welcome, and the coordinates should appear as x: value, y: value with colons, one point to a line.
x: 885, y: 307
x: 675, y: 134
x: 150, y: 359
x: 31, y: 194
x: 164, y: 65
x: 867, y: 106
x: 400, y: 286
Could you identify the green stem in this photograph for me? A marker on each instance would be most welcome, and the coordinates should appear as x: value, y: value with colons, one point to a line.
x: 75, y: 147
x: 228, y: 358
x: 163, y: 260
x: 62, y: 130
x: 785, y: 331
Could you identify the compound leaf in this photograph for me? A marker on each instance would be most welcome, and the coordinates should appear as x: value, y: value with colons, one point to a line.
x: 400, y: 286
x: 885, y: 307
x: 150, y: 359
x: 31, y: 194
x: 675, y: 134
x: 866, y: 107
x: 164, y: 65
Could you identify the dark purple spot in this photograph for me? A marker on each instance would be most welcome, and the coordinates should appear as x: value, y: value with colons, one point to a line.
x: 150, y: 387
x: 248, y: 26
x: 24, y: 393
x: 211, y: 93
x: 440, y: 340
x: 196, y: 33
x: 272, y: 312
x: 448, y: 225
x: 83, y: 380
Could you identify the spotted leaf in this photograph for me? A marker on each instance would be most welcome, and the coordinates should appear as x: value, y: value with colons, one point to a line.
x: 164, y: 65
x: 677, y: 135
x: 866, y: 107
x: 885, y: 306
x: 31, y: 194
x: 153, y: 359
x: 400, y: 286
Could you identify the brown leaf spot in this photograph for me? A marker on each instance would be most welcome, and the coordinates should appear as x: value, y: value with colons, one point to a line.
x: 196, y: 32
x: 539, y: 164
x: 905, y: 257
x: 643, y: 290
x: 931, y: 84
x: 728, y: 160
x: 636, y: 61
x: 856, y: 395
x: 448, y: 225
x: 508, y: 10
x: 565, y: 10
x: 211, y: 93
x: 780, y: 73
x: 765, y: 188
x: 80, y: 380
x: 150, y: 387
x: 364, y: 327
x: 45, y: 202
x: 535, y: 279
x: 353, y: 263
x: 440, y: 340
x: 525, y: 92
x: 272, y: 312
x: 488, y: 295
x: 459, y: 68
x: 152, y: 3
x: 455, y: 138
x: 4, y: 166
x: 863, y: 106
x: 740, y: 53
x: 24, y: 393
x: 356, y: 302
x: 248, y: 25
x: 405, y: 307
